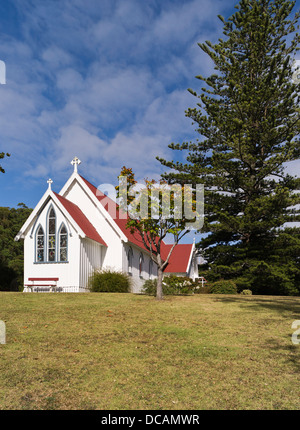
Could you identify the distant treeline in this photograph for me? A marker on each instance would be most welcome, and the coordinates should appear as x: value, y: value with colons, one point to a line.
x: 11, y: 252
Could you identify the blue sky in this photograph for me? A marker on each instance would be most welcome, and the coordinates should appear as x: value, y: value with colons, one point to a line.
x: 105, y: 80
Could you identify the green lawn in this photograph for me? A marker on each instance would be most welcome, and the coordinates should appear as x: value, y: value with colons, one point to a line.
x: 124, y: 351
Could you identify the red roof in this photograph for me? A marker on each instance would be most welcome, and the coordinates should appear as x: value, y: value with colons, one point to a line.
x: 80, y: 219
x: 180, y: 256
x: 179, y: 259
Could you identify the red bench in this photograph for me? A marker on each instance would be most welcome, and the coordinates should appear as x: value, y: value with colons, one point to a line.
x: 51, y: 283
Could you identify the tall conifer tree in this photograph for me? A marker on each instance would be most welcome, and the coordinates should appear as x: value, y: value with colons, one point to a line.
x: 247, y: 117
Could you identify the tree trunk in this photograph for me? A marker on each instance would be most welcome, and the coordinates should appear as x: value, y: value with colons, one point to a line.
x: 159, y: 292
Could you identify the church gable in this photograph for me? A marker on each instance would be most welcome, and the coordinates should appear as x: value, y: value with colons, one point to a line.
x: 78, y: 192
x: 60, y: 243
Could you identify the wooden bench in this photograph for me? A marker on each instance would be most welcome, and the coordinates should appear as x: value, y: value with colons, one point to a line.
x: 49, y: 284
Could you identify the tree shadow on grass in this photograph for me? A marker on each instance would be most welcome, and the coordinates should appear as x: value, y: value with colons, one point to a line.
x: 286, y: 307
x: 288, y: 352
x: 290, y: 306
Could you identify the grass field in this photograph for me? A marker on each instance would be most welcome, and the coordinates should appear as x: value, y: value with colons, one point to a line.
x: 130, y: 352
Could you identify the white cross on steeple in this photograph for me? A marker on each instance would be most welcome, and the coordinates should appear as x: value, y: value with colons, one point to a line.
x: 75, y: 163
x: 49, y: 182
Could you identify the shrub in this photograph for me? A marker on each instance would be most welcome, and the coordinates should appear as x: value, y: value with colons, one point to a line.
x: 203, y: 290
x: 149, y: 287
x: 109, y: 281
x: 178, y: 285
x: 171, y: 285
x: 246, y: 292
x: 223, y: 287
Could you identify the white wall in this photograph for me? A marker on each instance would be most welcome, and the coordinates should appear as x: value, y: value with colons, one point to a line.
x: 193, y: 270
x: 137, y: 280
x: 90, y: 260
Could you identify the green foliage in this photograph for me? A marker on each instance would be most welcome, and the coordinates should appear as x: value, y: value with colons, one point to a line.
x: 11, y: 252
x: 268, y: 278
x: 223, y: 287
x: 178, y: 285
x: 149, y: 287
x: 202, y: 290
x: 2, y: 155
x: 248, y: 119
x: 246, y: 293
x: 171, y: 285
x: 109, y: 281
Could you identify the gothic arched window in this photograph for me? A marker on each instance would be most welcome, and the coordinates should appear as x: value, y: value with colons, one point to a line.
x: 40, y: 244
x: 51, y: 235
x: 63, y: 243
x: 141, y: 261
x: 129, y: 260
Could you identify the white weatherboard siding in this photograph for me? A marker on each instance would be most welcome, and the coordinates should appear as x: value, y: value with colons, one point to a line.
x: 90, y: 260
x: 137, y: 279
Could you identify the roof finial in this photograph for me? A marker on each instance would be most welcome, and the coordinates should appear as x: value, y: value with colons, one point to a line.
x: 75, y: 163
x: 49, y: 182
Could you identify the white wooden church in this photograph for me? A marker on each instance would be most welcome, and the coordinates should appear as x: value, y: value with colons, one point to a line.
x: 71, y: 234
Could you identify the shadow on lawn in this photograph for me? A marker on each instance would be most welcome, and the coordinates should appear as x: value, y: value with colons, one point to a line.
x: 290, y: 306
x: 287, y: 307
x: 289, y: 353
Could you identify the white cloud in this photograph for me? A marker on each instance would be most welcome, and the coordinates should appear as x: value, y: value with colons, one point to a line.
x: 75, y: 140
x: 56, y: 58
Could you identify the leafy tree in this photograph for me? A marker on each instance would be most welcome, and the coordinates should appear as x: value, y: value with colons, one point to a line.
x: 2, y: 155
x: 248, y: 119
x: 11, y: 252
x: 150, y: 219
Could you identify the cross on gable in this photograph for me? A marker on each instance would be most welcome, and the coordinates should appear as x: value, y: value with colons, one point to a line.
x: 75, y: 162
x: 49, y: 182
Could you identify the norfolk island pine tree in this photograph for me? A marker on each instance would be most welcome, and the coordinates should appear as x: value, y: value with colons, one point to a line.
x: 248, y: 119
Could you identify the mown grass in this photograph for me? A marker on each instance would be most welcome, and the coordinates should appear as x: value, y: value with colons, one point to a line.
x: 127, y: 352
